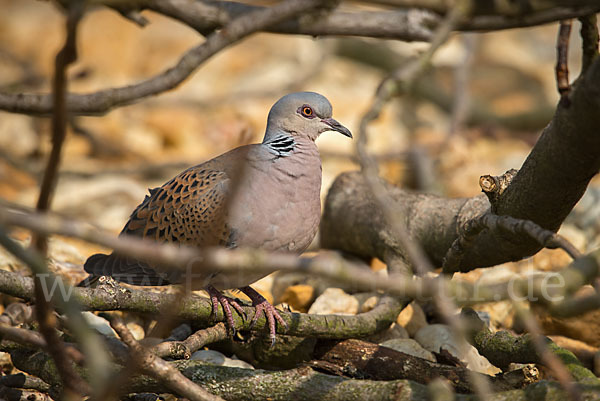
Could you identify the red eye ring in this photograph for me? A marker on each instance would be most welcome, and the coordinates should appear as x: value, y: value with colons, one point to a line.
x: 307, y: 111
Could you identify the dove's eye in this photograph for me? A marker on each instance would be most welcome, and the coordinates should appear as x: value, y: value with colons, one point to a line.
x: 307, y: 111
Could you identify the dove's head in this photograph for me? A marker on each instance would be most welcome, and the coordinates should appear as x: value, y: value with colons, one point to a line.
x: 303, y: 114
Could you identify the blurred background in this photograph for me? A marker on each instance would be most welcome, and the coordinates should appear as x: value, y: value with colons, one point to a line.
x: 478, y: 110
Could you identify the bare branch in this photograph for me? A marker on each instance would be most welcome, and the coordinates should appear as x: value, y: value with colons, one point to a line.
x: 514, y: 227
x: 72, y: 382
x: 411, y: 21
x: 240, y: 20
x: 503, y: 348
x: 557, y: 13
x: 103, y: 101
x: 562, y: 60
x: 359, y: 359
x: 19, y: 380
x: 156, y: 367
x: 184, y: 349
x: 543, y: 191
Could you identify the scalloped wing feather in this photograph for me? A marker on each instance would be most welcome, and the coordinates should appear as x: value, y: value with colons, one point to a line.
x: 189, y: 209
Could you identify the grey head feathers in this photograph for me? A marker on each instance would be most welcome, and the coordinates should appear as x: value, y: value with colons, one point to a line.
x: 299, y: 115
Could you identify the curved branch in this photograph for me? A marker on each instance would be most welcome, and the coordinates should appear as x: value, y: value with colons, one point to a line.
x: 550, y: 182
x: 237, y: 20
x: 158, y: 368
x: 408, y: 22
x: 503, y: 348
x: 110, y: 296
x: 206, y: 17
x: 103, y: 101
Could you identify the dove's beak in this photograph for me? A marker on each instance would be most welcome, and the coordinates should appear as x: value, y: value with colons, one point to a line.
x: 336, y: 126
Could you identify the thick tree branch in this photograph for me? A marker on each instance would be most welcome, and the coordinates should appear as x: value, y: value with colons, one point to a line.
x: 108, y: 297
x: 510, y: 225
x: 503, y: 348
x: 206, y: 17
x: 550, y: 182
x: 361, y: 359
x: 589, y: 39
x: 408, y: 22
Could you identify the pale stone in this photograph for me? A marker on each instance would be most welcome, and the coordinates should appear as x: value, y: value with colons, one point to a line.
x: 136, y: 330
x: 99, y: 324
x: 437, y: 336
x: 234, y: 362
x: 412, y: 318
x: 334, y: 301
x: 209, y: 356
x: 410, y: 347
x: 298, y: 296
x: 216, y: 358
x: 395, y: 331
x: 369, y: 304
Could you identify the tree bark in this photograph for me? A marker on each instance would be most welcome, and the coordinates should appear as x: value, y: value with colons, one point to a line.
x: 548, y: 185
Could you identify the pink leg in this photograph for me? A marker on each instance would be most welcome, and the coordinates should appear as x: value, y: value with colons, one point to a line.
x: 216, y: 298
x: 262, y: 305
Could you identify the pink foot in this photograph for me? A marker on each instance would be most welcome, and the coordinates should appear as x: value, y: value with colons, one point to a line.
x: 262, y: 305
x: 216, y: 298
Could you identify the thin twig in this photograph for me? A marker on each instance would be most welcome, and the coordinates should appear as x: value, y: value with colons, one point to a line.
x: 72, y: 382
x: 517, y: 227
x: 184, y: 349
x: 562, y: 60
x: 399, y: 82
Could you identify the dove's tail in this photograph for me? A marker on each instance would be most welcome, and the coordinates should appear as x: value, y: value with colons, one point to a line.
x: 123, y: 269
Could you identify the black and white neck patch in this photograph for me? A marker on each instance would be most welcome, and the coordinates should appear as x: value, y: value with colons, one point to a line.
x: 281, y: 145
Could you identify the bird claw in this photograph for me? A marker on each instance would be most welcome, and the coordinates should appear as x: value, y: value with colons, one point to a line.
x: 216, y: 298
x: 261, y: 305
